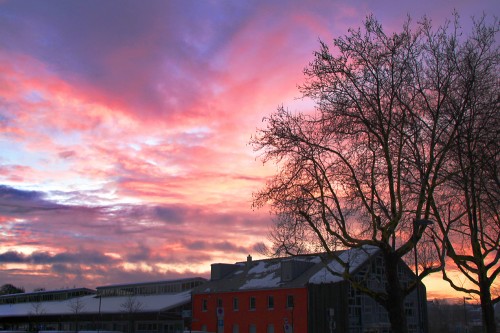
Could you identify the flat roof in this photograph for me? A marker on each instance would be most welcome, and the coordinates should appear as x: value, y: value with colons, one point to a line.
x: 91, y: 304
x: 135, y: 284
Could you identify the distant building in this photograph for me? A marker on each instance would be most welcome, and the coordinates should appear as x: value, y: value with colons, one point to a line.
x: 148, y: 307
x: 455, y: 315
x: 299, y: 294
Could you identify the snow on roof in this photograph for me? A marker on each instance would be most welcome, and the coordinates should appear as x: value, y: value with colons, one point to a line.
x: 266, y: 281
x: 355, y: 257
x: 263, y: 275
x: 266, y: 274
x: 90, y: 304
x: 288, y: 272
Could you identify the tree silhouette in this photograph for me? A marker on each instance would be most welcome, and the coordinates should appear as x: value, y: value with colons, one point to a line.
x: 131, y: 306
x: 467, y: 207
x: 371, y: 161
x: 76, y: 305
x: 8, y: 288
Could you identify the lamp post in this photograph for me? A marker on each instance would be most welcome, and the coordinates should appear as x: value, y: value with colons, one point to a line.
x: 99, y: 317
x: 417, y: 224
x: 465, y: 314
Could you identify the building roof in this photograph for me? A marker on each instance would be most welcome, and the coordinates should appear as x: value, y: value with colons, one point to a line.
x: 151, y: 283
x: 40, y: 294
x: 90, y: 304
x: 66, y: 301
x: 289, y: 272
x: 150, y: 288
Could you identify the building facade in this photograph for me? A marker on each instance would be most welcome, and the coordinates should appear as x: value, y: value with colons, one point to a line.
x: 251, y: 311
x: 300, y: 294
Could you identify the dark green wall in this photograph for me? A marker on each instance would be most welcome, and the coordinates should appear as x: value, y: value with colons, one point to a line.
x: 321, y: 298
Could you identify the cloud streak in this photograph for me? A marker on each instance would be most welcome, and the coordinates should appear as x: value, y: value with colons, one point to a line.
x: 53, y: 238
x: 40, y: 258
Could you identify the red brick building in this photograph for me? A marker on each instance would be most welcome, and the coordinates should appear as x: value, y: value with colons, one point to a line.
x: 252, y: 311
x: 297, y: 294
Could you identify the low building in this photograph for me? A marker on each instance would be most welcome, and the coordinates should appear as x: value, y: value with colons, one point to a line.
x: 161, y: 307
x: 299, y: 294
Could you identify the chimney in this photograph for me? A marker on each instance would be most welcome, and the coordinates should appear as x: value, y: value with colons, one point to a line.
x: 292, y: 269
x: 219, y: 271
x: 249, y: 261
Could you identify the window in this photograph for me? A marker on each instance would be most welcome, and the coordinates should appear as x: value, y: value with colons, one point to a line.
x: 147, y: 327
x: 236, y: 328
x: 219, y: 302
x: 252, y: 303
x: 236, y: 304
x: 270, y: 328
x: 409, y: 309
x: 270, y: 302
x: 204, y: 305
x: 289, y: 301
x: 252, y: 328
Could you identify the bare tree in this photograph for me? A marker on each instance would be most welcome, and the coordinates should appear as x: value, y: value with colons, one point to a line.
x: 364, y: 168
x: 468, y: 207
x: 76, y: 305
x: 131, y: 306
x: 37, y: 310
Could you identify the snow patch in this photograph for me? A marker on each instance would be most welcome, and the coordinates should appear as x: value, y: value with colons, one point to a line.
x: 267, y: 281
x: 355, y: 257
x: 92, y: 304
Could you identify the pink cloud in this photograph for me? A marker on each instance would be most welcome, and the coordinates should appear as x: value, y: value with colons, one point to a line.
x: 69, y: 238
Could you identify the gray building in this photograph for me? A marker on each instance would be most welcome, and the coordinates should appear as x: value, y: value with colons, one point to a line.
x: 134, y: 308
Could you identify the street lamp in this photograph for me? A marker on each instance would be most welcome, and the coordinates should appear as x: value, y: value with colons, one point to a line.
x: 465, y: 314
x: 417, y: 225
x: 99, y: 318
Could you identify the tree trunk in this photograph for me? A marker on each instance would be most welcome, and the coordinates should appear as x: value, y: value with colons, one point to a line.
x: 395, y: 297
x: 487, y: 307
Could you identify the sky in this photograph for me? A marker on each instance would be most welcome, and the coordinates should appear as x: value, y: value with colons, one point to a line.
x: 125, y: 128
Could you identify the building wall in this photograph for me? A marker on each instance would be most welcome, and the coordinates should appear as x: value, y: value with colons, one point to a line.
x: 261, y: 319
x: 140, y: 323
x: 328, y: 307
